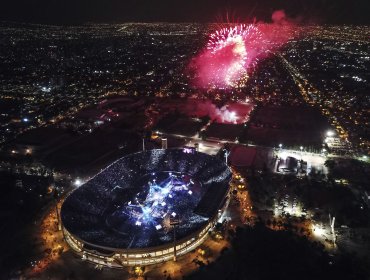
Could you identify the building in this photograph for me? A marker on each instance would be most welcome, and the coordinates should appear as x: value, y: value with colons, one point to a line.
x: 122, y: 216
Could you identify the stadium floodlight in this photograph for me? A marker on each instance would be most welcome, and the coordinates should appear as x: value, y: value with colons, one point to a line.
x: 301, y: 148
x: 330, y: 133
x: 280, y: 145
x: 78, y: 182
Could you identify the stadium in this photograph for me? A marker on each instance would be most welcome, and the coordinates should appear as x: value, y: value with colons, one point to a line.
x: 147, y: 207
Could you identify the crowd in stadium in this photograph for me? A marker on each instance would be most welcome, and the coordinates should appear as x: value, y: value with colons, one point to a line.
x: 86, y: 211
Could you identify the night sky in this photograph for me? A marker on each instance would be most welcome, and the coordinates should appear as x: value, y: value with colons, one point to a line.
x: 81, y: 11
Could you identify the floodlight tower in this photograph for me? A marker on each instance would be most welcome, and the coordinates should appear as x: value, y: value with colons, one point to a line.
x: 331, y: 224
x: 280, y: 149
x: 227, y: 153
x: 164, y: 143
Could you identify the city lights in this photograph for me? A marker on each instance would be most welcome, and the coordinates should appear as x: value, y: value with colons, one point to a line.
x: 157, y: 150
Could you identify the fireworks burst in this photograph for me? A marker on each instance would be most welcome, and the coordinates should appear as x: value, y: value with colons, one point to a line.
x: 239, y: 35
x: 230, y: 54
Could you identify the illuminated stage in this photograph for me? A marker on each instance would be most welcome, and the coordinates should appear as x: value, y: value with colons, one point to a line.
x: 125, y: 214
x: 163, y: 196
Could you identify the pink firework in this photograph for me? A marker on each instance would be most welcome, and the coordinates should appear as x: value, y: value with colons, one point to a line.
x: 229, y: 56
x: 240, y: 36
x: 232, y: 52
